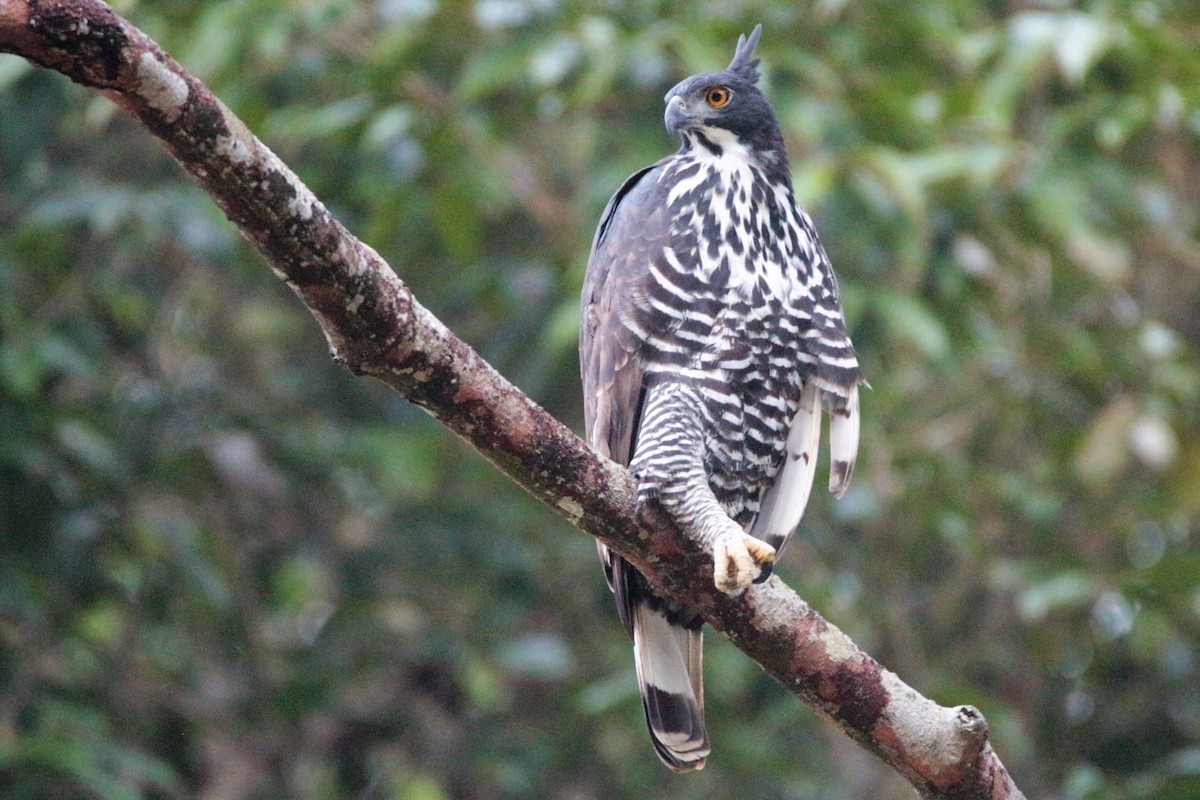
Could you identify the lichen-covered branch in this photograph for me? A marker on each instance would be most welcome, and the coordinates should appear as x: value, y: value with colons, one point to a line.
x: 375, y: 327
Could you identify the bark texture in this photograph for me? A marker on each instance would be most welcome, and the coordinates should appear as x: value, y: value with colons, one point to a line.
x: 374, y: 326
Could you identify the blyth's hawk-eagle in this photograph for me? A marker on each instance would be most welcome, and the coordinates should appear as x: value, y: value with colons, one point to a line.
x: 712, y: 335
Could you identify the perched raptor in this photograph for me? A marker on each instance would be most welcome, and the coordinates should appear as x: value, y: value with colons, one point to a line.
x: 712, y: 334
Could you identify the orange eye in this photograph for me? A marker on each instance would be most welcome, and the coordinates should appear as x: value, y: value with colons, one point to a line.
x: 717, y: 96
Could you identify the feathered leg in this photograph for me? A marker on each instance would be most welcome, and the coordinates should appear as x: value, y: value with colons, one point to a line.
x: 669, y: 465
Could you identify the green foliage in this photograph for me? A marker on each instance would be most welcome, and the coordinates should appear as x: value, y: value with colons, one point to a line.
x: 228, y: 568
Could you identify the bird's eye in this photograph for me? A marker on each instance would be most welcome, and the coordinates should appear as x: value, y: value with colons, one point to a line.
x: 717, y: 96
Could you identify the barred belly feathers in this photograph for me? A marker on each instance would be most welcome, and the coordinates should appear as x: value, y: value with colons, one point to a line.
x: 712, y: 337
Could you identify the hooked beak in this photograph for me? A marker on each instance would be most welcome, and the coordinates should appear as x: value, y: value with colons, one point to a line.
x: 676, y: 116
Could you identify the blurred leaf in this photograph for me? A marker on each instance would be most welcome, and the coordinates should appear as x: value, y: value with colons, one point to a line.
x: 910, y: 321
x: 1053, y: 592
x: 1105, y: 450
x: 494, y: 69
x: 421, y: 787
x: 297, y: 126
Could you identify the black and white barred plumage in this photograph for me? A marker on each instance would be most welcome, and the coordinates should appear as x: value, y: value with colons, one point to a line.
x: 712, y: 334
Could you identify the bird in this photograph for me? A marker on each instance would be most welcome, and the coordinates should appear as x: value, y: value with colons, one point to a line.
x: 712, y: 334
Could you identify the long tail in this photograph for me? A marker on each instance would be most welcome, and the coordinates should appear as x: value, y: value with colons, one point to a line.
x: 669, y: 661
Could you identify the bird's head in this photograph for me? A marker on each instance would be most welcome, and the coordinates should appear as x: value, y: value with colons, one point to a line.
x: 715, y: 104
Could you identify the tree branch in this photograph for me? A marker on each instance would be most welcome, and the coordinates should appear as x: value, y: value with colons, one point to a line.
x: 374, y: 326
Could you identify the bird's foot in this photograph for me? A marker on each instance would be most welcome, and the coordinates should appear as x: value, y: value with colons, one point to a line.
x: 739, y: 560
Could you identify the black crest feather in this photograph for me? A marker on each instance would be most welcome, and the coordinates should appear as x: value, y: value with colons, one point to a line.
x: 744, y: 63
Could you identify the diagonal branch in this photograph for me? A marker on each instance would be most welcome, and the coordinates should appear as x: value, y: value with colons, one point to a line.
x: 374, y: 326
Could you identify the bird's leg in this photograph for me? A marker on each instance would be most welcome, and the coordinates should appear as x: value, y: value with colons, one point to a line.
x: 738, y: 558
x: 669, y: 465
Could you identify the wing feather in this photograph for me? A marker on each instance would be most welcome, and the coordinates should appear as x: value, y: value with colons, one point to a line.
x: 612, y: 378
x: 784, y: 502
x: 843, y: 441
x: 632, y: 234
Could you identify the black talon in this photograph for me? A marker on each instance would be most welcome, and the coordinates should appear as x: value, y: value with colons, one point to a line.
x: 766, y: 572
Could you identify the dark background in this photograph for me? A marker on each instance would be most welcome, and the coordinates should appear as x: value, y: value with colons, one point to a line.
x: 229, y: 569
